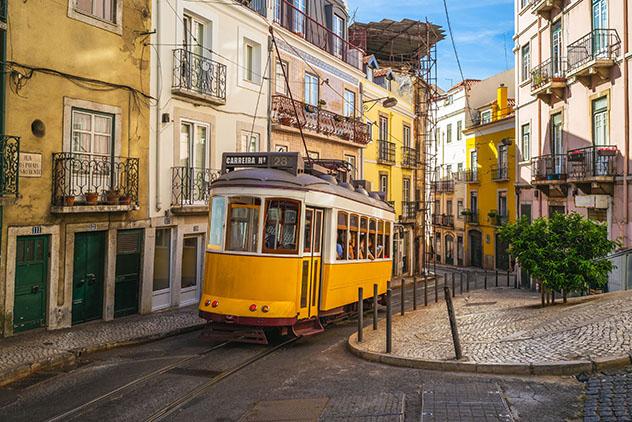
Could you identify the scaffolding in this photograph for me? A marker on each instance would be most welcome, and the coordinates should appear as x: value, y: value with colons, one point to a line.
x: 410, y: 47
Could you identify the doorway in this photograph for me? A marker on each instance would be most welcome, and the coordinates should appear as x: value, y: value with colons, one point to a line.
x: 476, y: 248
x: 502, y: 257
x: 87, y: 279
x: 161, y: 297
x: 191, y: 271
x: 311, y: 276
x: 129, y: 251
x: 31, y: 275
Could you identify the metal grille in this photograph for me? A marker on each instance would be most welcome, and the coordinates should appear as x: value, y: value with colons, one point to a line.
x: 594, y: 161
x: 9, y: 165
x: 191, y: 185
x: 386, y: 152
x: 192, y: 72
x: 549, y: 167
x: 599, y: 44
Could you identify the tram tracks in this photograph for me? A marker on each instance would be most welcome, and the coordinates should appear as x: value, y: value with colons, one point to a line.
x: 181, y: 400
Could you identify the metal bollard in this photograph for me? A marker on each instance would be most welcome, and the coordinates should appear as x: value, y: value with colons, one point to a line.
x: 507, y: 278
x: 360, y: 314
x: 402, y: 302
x: 437, y: 277
x: 414, y: 293
x: 516, y: 285
x: 389, y: 320
x: 461, y: 282
x: 485, y: 285
x: 453, y: 285
x: 425, y: 290
x: 467, y: 282
x: 453, y: 326
x: 375, y: 307
x: 496, y: 278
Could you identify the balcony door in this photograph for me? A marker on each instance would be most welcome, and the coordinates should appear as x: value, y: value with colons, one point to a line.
x: 556, y: 49
x: 557, y: 144
x: 600, y: 21
x: 474, y: 164
x: 300, y: 11
x: 193, y: 163
x: 600, y: 127
x: 194, y: 72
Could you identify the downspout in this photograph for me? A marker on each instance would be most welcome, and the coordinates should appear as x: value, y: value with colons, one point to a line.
x: 158, y: 120
x: 626, y: 107
x: 272, y: 64
x: 539, y: 113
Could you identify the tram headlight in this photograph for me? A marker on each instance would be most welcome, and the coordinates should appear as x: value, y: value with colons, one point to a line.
x: 208, y: 302
x: 253, y: 308
x: 265, y: 308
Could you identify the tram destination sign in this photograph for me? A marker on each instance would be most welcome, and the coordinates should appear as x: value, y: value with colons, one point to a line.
x: 289, y: 161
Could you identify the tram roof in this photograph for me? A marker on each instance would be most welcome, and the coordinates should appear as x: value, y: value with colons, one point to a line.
x: 279, y: 179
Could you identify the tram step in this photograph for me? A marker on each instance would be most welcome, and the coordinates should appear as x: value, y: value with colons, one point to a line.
x: 224, y: 332
x: 307, y: 327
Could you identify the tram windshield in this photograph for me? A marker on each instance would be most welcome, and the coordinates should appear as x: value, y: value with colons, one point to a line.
x: 281, y: 226
x: 217, y: 220
x: 243, y: 218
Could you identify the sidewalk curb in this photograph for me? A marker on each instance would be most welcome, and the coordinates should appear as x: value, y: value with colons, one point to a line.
x: 69, y: 357
x: 561, y: 368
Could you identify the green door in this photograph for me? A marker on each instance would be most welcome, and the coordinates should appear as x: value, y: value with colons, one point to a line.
x: 127, y: 281
x: 31, y: 271
x: 87, y: 282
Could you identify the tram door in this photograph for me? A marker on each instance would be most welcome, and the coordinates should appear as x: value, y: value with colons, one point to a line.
x: 311, y: 271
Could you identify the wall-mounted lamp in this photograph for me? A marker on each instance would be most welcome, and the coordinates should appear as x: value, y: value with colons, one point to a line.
x: 387, y: 102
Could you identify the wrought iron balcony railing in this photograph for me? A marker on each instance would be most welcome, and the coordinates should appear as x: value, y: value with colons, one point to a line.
x: 443, y: 186
x: 409, y: 157
x: 599, y: 44
x: 500, y: 173
x: 385, y: 152
x: 318, y: 120
x: 471, y: 216
x: 298, y: 22
x: 190, y: 186
x: 497, y: 219
x: 470, y: 176
x: 592, y: 162
x: 259, y: 6
x: 194, y: 75
x: 447, y: 220
x: 86, y: 179
x: 549, y: 167
x: 9, y: 165
x: 436, y: 219
x: 548, y: 72
x: 3, y: 10
x: 409, y: 209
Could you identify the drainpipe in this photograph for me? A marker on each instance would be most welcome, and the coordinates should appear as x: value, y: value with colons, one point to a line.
x: 158, y: 119
x: 626, y: 107
x: 539, y: 114
x: 271, y: 65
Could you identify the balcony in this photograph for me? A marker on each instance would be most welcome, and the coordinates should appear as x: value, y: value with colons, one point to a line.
x: 300, y: 24
x: 594, y: 55
x: 259, y: 6
x: 548, y: 173
x: 9, y: 166
x: 190, y: 187
x: 548, y: 80
x: 409, y: 210
x: 317, y: 120
x: 544, y: 8
x: 443, y: 186
x: 593, y: 169
x: 500, y: 173
x: 385, y: 152
x: 409, y: 158
x: 498, y: 219
x: 471, y: 216
x: 470, y: 176
x: 198, y: 77
x: 85, y: 183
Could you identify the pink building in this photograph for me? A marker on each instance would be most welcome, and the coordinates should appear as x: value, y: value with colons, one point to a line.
x: 573, y: 110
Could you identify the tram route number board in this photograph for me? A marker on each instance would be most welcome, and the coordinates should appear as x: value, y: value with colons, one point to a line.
x: 283, y: 160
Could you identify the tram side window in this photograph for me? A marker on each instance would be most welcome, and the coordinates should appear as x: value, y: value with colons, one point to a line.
x: 372, y: 238
x: 387, y: 240
x: 380, y: 240
x: 364, y: 239
x: 341, y: 240
x: 281, y: 227
x: 216, y: 223
x: 354, y: 222
x: 307, y: 231
x: 243, y: 219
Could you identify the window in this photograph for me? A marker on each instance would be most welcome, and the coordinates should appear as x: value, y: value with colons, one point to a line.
x: 600, y: 121
x: 243, y: 219
x: 474, y: 202
x: 92, y: 132
x: 557, y: 135
x: 281, y: 148
x: 503, y: 156
x: 387, y: 240
x: 486, y: 117
x: 525, y: 211
x: 193, y: 145
x: 383, y: 132
x: 281, y: 226
x: 252, y: 61
x: 523, y: 3
x: 351, y: 159
x: 406, y: 189
x: 280, y: 85
x: 459, y: 208
x: 216, y: 223
x: 448, y: 170
x: 339, y: 35
x: 556, y: 48
x: 525, y: 69
x: 372, y: 254
x: 502, y: 204
x: 525, y: 141
x: 341, y: 240
x: 369, y: 125
x: 308, y: 231
x: 249, y: 141
x: 311, y: 89
x: 449, y: 132
x: 193, y: 37
x: 162, y: 260
x: 278, y: 10
x: 249, y: 62
x: 363, y: 250
x: 406, y: 140
x: 349, y: 104
x: 300, y: 10
x: 459, y: 130
x: 448, y: 207
x: 459, y: 167
x: 100, y: 9
x: 384, y: 185
x: 354, y: 226
x: 474, y: 164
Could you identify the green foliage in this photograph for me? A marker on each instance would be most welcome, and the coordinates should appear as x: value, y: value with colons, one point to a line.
x: 565, y: 252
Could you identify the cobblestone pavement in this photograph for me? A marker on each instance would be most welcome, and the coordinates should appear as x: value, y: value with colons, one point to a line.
x: 509, y: 326
x: 32, y: 349
x: 609, y: 397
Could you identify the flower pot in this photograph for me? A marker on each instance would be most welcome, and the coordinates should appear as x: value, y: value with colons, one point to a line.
x: 91, y: 198
x: 69, y: 200
x: 125, y: 200
x: 286, y: 121
x: 112, y: 197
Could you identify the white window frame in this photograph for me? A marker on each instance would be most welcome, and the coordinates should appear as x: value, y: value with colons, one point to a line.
x: 349, y: 103
x: 525, y: 62
x: 312, y: 94
x: 71, y: 103
x: 115, y: 27
x: 525, y: 135
x: 247, y: 139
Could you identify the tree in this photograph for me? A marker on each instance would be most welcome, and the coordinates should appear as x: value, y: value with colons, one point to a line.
x: 566, y: 252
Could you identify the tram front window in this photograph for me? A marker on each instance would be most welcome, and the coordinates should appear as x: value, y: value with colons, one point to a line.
x: 243, y: 219
x: 281, y: 227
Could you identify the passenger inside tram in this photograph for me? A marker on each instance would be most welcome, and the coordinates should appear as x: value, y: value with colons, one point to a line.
x: 370, y: 254
x: 340, y: 248
x: 353, y: 247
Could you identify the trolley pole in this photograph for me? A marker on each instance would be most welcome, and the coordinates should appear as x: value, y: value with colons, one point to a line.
x: 374, y: 306
x: 389, y: 322
x: 360, y: 314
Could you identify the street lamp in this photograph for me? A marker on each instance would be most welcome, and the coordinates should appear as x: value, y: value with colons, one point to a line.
x: 387, y: 102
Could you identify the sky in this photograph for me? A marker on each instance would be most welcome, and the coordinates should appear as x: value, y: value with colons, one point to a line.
x: 483, y: 31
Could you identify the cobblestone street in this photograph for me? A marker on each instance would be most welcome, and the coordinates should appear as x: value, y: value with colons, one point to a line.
x: 609, y: 397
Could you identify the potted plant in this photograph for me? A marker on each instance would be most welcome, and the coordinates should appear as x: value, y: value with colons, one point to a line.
x: 492, y: 214
x: 69, y: 200
x: 310, y: 108
x: 322, y: 103
x: 576, y: 155
x: 285, y: 120
x: 608, y: 151
x: 466, y: 212
x: 91, y: 198
x: 112, y: 197
x: 125, y: 199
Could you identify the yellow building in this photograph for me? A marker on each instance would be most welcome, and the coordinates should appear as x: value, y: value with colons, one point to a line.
x: 490, y: 181
x: 390, y: 159
x: 77, y: 110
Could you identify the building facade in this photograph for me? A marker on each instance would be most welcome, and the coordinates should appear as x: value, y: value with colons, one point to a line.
x: 210, y: 78
x: 391, y: 157
x: 572, y: 114
x: 75, y: 211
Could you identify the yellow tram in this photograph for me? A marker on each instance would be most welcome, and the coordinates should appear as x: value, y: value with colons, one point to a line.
x: 289, y: 245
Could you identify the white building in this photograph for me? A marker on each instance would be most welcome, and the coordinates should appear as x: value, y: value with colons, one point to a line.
x: 210, y: 77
